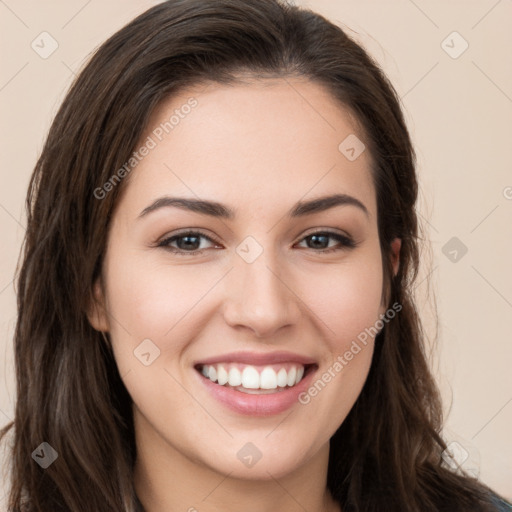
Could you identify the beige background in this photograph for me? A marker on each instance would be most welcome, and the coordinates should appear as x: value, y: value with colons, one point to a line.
x: 460, y: 113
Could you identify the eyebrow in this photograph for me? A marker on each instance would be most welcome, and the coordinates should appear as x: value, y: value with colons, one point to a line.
x: 215, y: 209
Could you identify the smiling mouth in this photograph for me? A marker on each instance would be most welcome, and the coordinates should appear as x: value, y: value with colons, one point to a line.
x: 253, y: 379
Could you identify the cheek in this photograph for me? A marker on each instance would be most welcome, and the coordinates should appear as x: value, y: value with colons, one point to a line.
x: 152, y: 300
x: 149, y: 299
x: 347, y: 304
x: 346, y: 299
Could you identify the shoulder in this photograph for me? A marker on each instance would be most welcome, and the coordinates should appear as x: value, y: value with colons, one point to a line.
x: 501, y: 504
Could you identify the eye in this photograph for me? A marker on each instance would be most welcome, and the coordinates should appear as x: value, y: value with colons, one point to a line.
x: 189, y: 242
x: 319, y: 239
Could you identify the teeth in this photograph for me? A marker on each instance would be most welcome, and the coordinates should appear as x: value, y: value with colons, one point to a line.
x: 282, y: 378
x: 300, y: 374
x: 292, y: 374
x: 268, y: 378
x: 251, y: 378
x: 235, y: 377
x: 222, y: 375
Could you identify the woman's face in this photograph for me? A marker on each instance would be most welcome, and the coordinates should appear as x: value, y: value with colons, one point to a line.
x: 249, y: 298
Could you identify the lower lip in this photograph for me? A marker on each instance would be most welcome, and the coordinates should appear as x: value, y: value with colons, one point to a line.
x: 257, y: 405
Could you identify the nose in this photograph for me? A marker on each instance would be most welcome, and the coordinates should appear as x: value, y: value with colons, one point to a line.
x: 259, y: 298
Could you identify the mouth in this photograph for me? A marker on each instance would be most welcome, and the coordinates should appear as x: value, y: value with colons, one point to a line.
x: 256, y: 383
x: 256, y: 379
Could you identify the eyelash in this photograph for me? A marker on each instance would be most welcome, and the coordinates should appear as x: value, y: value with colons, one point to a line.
x: 345, y: 241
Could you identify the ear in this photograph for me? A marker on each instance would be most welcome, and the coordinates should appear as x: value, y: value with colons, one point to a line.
x: 97, y: 313
x: 396, y: 244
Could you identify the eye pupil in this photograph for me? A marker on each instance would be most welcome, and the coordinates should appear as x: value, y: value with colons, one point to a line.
x: 187, y: 244
x: 315, y: 238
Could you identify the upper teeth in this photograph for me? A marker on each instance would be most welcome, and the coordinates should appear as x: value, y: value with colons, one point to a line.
x: 252, y: 377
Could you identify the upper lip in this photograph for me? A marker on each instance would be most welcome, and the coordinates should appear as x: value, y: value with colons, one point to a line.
x: 258, y: 358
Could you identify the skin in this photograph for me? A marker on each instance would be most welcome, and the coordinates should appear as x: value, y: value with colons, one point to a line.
x: 258, y: 147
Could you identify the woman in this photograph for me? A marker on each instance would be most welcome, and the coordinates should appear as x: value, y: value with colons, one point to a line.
x: 215, y: 301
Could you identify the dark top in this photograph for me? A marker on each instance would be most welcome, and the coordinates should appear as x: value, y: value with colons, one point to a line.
x: 501, y: 504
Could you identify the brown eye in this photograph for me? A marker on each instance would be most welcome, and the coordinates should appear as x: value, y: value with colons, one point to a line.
x: 320, y: 241
x: 186, y: 243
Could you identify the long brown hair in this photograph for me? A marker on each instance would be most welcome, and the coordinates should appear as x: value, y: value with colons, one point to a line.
x: 388, y: 451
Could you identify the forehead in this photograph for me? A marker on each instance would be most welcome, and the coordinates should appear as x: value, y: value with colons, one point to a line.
x: 257, y: 143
